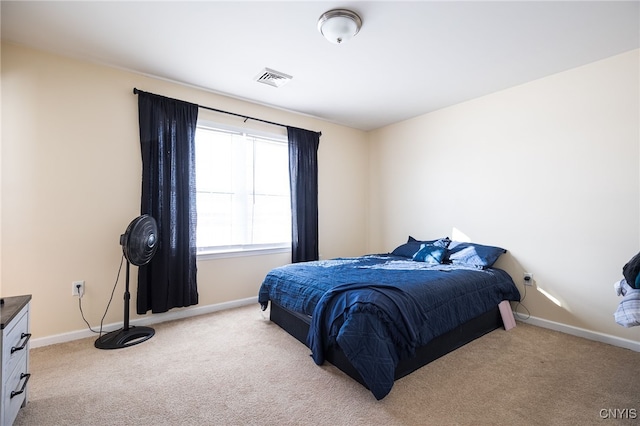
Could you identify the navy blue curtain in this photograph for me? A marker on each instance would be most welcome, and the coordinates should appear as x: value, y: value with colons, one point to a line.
x: 303, y: 175
x: 167, y: 141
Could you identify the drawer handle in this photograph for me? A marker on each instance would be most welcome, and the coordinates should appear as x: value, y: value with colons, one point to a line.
x: 24, y: 385
x: 24, y: 344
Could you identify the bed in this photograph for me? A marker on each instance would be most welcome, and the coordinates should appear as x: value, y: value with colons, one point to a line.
x: 379, y: 317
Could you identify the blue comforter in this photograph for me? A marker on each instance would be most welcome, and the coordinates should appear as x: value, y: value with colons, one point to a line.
x: 380, y: 308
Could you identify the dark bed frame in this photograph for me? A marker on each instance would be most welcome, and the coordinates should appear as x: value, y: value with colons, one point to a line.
x: 298, y: 326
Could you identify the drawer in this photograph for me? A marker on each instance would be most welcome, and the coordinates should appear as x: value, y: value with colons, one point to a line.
x: 14, y: 343
x: 15, y: 392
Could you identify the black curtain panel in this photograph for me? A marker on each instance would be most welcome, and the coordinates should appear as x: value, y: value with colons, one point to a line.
x: 303, y: 174
x: 167, y: 140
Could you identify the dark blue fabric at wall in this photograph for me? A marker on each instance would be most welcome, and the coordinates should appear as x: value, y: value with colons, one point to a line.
x: 303, y: 175
x: 631, y: 271
x: 167, y: 141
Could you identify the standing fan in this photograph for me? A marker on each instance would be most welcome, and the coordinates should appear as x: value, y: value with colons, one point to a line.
x: 139, y: 244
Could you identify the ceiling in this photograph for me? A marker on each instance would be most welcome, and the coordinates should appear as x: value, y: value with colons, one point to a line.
x: 409, y: 58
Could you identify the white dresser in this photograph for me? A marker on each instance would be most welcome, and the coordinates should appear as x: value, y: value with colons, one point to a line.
x: 14, y: 347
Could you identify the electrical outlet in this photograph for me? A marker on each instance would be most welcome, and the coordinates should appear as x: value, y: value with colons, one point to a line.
x: 528, y: 278
x: 77, y: 288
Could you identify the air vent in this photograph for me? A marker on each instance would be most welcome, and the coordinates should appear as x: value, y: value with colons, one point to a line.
x: 273, y: 78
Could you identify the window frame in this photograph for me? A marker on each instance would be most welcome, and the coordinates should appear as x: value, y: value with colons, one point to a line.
x: 217, y: 252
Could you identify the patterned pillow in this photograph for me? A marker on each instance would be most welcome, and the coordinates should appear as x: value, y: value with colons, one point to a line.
x: 430, y: 253
x: 411, y: 247
x: 472, y: 254
x: 442, y: 242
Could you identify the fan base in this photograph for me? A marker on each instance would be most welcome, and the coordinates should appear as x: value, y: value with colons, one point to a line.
x: 124, y: 338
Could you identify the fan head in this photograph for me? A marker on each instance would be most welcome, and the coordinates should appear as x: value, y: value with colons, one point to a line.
x: 140, y: 240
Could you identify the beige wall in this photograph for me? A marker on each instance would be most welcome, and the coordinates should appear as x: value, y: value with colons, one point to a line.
x: 548, y: 170
x: 70, y: 178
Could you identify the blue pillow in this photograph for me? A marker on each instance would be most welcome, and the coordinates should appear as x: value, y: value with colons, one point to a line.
x: 412, y: 246
x: 472, y: 254
x: 407, y: 249
x: 429, y: 253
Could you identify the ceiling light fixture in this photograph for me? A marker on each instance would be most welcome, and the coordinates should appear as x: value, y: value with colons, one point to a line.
x: 339, y: 25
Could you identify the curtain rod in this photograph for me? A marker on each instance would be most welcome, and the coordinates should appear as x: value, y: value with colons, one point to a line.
x: 246, y: 117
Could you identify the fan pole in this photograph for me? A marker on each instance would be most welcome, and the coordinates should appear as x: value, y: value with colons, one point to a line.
x: 126, y: 336
x: 127, y: 298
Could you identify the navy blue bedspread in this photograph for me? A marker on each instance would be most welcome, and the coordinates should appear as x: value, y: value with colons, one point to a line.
x: 380, y: 308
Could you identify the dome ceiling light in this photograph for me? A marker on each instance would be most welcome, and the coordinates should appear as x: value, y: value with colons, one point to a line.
x: 339, y: 25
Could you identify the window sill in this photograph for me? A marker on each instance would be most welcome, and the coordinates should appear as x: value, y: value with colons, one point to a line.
x: 210, y: 255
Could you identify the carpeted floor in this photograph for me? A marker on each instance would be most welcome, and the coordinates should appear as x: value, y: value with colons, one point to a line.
x: 237, y: 368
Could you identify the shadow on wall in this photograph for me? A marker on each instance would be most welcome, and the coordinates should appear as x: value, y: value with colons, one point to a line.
x: 511, y: 265
x: 534, y: 289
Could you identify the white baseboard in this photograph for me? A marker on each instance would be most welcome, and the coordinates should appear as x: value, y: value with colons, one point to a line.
x: 201, y: 310
x: 144, y: 321
x: 581, y: 332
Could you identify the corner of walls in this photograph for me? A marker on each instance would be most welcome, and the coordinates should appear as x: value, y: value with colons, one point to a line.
x: 549, y: 170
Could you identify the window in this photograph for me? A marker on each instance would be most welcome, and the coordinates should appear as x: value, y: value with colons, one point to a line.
x: 242, y: 190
